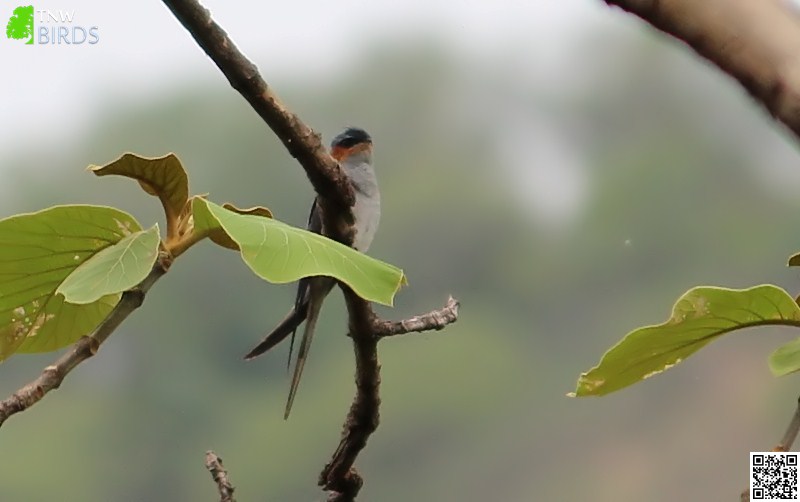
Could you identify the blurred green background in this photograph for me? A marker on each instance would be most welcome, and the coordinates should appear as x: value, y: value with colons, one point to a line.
x: 564, y: 200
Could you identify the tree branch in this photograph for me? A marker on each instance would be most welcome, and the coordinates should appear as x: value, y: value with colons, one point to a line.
x: 86, y: 347
x: 302, y: 142
x: 220, y: 476
x: 339, y: 477
x: 336, y: 197
x: 434, y: 320
x: 754, y: 41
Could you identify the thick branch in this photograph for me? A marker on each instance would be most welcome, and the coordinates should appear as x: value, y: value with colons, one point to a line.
x: 754, y: 41
x: 339, y: 477
x: 300, y: 140
x: 52, y: 376
x: 220, y: 476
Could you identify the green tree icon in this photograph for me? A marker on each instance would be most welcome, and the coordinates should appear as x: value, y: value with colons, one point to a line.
x: 20, y: 24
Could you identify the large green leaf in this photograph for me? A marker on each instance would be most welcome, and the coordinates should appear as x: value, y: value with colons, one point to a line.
x: 281, y: 253
x: 700, y: 316
x: 114, y: 269
x: 37, y: 252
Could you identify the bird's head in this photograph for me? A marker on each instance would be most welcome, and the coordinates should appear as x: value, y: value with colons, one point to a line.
x: 352, y: 144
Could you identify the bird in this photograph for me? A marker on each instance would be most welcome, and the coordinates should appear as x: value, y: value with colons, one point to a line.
x: 352, y: 149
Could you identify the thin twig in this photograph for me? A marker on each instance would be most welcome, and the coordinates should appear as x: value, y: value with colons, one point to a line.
x: 220, y: 476
x: 86, y: 347
x: 434, y: 320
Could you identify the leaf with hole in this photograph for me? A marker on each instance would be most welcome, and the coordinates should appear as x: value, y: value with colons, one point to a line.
x: 700, y: 316
x: 38, y: 251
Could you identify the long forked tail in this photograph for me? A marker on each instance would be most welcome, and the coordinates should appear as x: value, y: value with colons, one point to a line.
x: 314, y: 306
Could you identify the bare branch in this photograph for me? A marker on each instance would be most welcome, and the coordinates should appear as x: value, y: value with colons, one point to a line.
x: 434, y: 320
x: 754, y: 41
x: 220, y: 476
x: 52, y: 376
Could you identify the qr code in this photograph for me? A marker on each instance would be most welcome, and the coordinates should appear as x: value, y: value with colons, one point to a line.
x: 773, y: 476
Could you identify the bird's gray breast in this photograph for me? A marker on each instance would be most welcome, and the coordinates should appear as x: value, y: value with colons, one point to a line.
x: 367, y: 212
x: 367, y: 208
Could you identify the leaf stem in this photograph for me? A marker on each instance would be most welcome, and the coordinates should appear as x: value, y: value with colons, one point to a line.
x: 180, y: 246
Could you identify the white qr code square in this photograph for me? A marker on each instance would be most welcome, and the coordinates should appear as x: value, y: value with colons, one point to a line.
x: 773, y: 476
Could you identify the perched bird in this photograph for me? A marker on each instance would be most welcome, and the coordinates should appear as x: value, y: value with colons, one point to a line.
x: 353, y: 150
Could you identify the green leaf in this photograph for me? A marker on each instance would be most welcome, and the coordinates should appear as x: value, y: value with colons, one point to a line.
x: 37, y: 252
x: 114, y: 269
x: 163, y: 177
x: 794, y: 260
x: 280, y: 253
x: 206, y: 224
x: 785, y: 359
x: 255, y: 210
x: 700, y: 316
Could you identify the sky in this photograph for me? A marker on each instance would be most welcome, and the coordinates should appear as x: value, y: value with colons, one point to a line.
x: 50, y: 94
x: 51, y: 91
